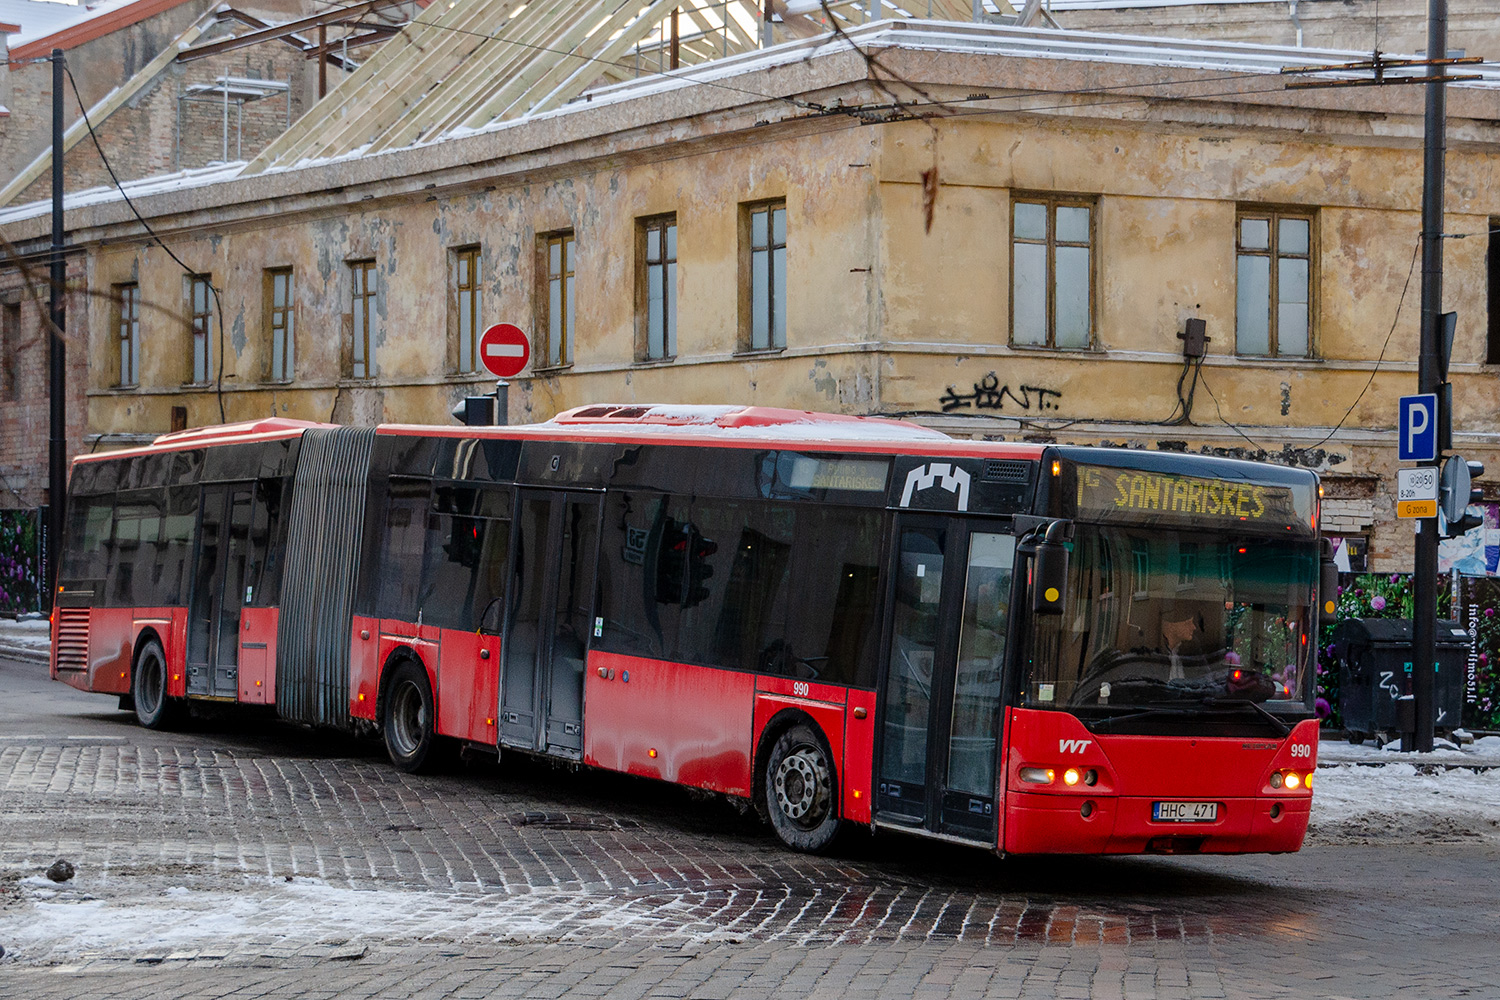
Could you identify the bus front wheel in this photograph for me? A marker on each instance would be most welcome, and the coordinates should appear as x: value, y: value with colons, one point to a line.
x: 801, y: 791
x: 148, y: 688
x: 410, y: 720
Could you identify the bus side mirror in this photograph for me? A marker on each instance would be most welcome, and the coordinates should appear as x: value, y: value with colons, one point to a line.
x: 1328, y: 587
x: 1049, y: 572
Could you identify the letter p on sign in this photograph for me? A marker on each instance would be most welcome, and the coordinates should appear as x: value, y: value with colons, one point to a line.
x: 1418, y: 428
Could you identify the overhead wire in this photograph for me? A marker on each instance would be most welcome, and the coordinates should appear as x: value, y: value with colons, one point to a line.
x: 189, y: 272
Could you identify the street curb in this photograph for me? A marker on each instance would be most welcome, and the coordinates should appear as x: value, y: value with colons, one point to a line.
x: 23, y: 653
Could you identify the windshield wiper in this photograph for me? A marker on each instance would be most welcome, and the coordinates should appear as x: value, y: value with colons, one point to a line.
x: 1275, y: 720
x: 1109, y: 721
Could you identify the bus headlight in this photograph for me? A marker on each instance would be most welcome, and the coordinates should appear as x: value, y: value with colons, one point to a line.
x: 1037, y: 775
x: 1071, y: 776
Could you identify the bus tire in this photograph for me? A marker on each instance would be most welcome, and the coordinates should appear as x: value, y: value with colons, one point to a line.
x: 410, y: 724
x: 148, y: 688
x: 802, y: 790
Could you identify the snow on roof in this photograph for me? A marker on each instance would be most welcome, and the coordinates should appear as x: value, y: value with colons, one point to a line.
x: 37, y: 27
x: 37, y: 17
x: 134, y: 189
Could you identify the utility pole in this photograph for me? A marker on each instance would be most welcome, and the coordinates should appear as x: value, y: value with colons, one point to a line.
x: 1424, y: 611
x: 57, y: 354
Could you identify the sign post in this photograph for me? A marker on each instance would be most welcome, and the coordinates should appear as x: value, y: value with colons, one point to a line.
x: 504, y: 350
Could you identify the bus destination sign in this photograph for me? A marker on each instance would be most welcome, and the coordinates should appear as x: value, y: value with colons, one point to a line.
x: 1132, y: 495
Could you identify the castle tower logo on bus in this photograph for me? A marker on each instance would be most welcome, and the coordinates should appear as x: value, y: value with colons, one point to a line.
x: 937, y: 474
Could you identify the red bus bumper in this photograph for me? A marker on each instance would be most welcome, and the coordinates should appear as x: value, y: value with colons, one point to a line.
x: 1041, y: 823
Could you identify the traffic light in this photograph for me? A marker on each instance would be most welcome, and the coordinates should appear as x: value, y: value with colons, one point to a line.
x: 699, y: 570
x: 1457, y: 488
x: 671, y: 559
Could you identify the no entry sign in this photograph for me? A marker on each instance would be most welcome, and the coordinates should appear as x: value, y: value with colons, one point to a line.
x: 504, y: 350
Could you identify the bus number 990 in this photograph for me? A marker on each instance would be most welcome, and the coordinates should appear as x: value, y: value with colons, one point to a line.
x: 799, y: 688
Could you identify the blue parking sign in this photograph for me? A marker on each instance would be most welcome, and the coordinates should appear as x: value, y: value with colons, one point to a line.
x: 1418, y: 428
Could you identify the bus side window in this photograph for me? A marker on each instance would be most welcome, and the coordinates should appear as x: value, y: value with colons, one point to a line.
x: 138, y: 522
x: 175, y: 550
x: 90, y: 524
x: 836, y: 569
x: 739, y: 618
x: 401, y: 550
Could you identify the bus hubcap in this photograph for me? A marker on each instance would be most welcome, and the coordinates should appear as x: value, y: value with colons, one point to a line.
x: 410, y: 718
x: 801, y: 786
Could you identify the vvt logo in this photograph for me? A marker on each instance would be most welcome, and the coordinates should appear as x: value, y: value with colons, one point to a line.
x: 1073, y: 746
x: 944, y: 474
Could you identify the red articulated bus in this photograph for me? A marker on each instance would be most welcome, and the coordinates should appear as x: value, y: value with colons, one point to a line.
x: 841, y: 620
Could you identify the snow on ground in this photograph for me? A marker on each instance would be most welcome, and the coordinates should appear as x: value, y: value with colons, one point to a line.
x: 1397, y: 804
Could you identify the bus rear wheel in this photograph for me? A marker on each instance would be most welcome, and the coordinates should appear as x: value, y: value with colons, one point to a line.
x: 801, y: 791
x: 148, y: 688
x: 410, y: 720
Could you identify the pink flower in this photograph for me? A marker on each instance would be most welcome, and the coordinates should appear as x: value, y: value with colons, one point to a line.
x: 1232, y: 658
x: 1378, y: 603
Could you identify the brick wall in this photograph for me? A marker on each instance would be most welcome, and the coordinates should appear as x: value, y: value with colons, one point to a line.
x: 24, y: 416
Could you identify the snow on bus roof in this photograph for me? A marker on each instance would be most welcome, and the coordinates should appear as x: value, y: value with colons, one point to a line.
x: 750, y: 421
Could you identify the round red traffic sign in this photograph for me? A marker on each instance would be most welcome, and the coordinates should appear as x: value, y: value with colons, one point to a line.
x: 504, y: 350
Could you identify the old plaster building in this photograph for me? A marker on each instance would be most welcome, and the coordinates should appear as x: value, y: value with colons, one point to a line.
x: 995, y: 230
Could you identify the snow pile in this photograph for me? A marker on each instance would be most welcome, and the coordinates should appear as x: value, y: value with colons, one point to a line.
x: 26, y: 640
x: 1400, y: 803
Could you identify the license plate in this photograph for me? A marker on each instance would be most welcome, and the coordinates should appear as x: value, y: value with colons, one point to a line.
x: 1184, y: 812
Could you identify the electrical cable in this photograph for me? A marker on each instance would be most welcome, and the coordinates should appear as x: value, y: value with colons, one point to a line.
x: 218, y: 304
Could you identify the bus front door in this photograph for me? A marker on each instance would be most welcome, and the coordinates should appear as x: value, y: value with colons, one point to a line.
x: 942, y: 694
x: 218, y: 590
x: 551, y: 621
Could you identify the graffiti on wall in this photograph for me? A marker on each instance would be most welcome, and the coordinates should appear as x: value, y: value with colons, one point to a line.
x: 989, y: 394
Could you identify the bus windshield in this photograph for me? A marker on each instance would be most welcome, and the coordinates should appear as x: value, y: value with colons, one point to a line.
x: 1178, y: 620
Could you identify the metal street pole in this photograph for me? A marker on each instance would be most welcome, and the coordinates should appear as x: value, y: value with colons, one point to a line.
x: 1424, y: 625
x: 57, y: 441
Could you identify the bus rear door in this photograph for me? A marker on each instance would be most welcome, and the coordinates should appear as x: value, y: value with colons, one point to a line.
x: 218, y: 596
x: 942, y: 692
x: 551, y: 621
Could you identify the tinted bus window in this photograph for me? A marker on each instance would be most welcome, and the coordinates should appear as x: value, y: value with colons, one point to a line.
x: 400, y: 572
x: 175, y: 550
x: 263, y: 572
x: 736, y: 596
x: 134, y: 551
x: 641, y: 573
x: 836, y: 576
x: 90, y: 521
x: 464, y: 574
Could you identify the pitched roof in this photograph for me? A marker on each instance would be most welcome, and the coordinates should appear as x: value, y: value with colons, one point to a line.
x: 466, y: 65
x: 82, y: 23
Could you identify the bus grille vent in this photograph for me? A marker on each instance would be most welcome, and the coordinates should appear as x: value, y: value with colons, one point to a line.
x: 996, y: 471
x: 72, y: 638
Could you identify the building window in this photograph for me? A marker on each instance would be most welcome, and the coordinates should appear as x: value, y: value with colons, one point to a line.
x: 10, y: 350
x: 556, y: 299
x: 1492, y: 272
x: 1052, y: 277
x: 1273, y: 285
x: 766, y: 329
x: 201, y: 299
x: 656, y: 295
x: 463, y: 307
x: 280, y: 324
x: 128, y: 329
x: 362, y: 284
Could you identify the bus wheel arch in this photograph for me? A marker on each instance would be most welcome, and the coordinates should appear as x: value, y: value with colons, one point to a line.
x: 154, y: 708
x: 797, y: 782
x: 407, y: 713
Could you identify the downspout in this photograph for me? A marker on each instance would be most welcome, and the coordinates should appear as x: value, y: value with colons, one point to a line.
x: 1291, y: 9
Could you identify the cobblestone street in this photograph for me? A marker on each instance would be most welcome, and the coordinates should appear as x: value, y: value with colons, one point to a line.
x: 245, y: 858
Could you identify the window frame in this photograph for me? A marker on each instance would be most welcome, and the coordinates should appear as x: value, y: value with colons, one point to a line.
x: 127, y: 325
x: 363, y: 309
x: 280, y: 324
x: 775, y: 298
x: 665, y: 275
x: 10, y: 349
x: 555, y: 348
x: 1273, y: 215
x: 459, y: 292
x: 201, y: 328
x: 1051, y: 203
